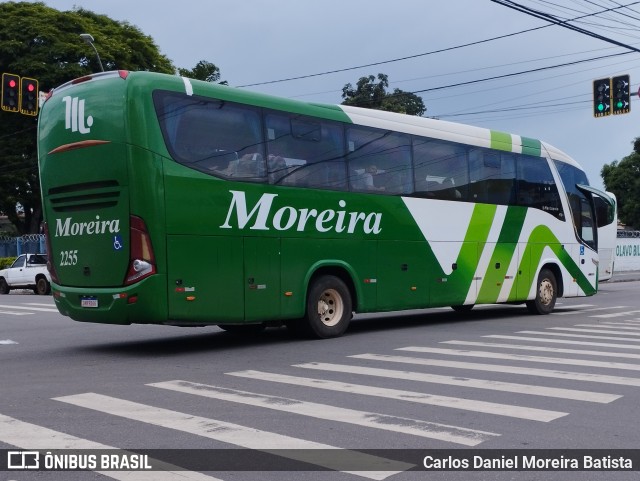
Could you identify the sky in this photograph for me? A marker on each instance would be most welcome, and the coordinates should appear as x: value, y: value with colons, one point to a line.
x: 258, y: 41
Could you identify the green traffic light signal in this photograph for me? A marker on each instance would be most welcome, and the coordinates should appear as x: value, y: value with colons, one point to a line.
x: 602, y: 97
x: 621, y: 95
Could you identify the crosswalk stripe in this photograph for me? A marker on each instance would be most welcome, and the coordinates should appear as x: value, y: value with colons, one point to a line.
x: 7, y: 342
x: 616, y: 314
x: 526, y: 371
x: 593, y: 331
x: 30, y: 308
x: 563, y: 341
x: 582, y: 311
x: 523, y: 357
x: 581, y: 336
x: 617, y: 325
x: 415, y: 427
x: 41, y: 304
x: 17, y: 313
x: 545, y: 349
x: 509, y: 410
x: 235, y: 434
x: 560, y: 306
x: 530, y: 389
x: 628, y: 324
x: 31, y: 436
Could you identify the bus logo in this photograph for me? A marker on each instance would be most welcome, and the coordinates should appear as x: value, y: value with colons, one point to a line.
x: 74, y: 115
x: 261, y: 217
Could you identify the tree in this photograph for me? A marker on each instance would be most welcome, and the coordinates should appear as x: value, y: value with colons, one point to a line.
x: 43, y: 43
x: 203, y: 71
x: 623, y: 179
x: 371, y: 95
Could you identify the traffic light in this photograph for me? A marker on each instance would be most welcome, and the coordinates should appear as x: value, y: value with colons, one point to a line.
x: 28, y: 96
x: 620, y: 95
x: 602, y: 97
x: 10, y: 92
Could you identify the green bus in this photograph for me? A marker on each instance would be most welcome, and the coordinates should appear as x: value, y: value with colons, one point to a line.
x: 174, y: 201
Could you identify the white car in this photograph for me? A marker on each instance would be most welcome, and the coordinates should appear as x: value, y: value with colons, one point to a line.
x: 28, y: 271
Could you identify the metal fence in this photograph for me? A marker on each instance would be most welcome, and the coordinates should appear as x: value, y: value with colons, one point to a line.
x: 26, y: 244
x: 628, y: 234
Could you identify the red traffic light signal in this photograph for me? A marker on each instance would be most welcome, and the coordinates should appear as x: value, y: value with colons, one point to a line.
x: 28, y: 96
x: 10, y: 92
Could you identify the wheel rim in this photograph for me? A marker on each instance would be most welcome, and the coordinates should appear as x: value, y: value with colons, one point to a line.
x: 330, y: 307
x: 546, y: 292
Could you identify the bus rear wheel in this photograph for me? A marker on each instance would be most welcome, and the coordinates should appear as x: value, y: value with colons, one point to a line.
x: 329, y: 308
x: 546, y: 293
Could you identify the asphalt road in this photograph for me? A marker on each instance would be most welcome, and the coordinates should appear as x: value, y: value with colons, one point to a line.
x: 404, y: 384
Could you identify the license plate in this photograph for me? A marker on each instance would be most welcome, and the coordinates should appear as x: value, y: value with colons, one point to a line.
x: 89, y: 302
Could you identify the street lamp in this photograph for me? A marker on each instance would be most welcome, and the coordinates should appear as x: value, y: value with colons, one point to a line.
x: 89, y: 39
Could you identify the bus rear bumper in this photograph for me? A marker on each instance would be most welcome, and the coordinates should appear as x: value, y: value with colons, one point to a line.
x: 137, y: 303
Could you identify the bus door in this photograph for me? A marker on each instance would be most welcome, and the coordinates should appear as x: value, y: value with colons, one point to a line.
x: 261, y: 283
x: 205, y: 278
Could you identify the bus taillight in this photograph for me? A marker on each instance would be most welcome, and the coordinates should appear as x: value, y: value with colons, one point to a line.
x: 51, y: 267
x: 141, y: 259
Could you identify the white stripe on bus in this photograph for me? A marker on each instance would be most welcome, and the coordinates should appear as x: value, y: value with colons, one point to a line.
x: 235, y: 434
x: 534, y: 390
x: 532, y: 414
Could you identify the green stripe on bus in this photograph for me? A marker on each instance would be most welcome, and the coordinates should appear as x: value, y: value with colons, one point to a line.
x: 501, y: 141
x: 531, y: 146
x: 461, y: 279
x: 502, y: 255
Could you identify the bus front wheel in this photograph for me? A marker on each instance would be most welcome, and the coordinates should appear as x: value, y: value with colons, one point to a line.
x: 546, y: 293
x: 329, y: 308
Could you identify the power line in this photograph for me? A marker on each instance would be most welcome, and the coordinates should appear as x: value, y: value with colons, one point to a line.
x: 556, y: 21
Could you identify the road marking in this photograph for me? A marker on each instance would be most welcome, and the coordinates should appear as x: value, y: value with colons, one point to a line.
x: 569, y: 306
x: 545, y: 349
x: 530, y: 389
x: 7, y: 341
x: 498, y: 409
x: 30, y: 308
x: 629, y: 324
x: 617, y: 314
x: 235, y: 434
x: 524, y: 357
x: 415, y: 427
x: 17, y: 313
x: 31, y: 436
x: 582, y: 336
x: 582, y: 311
x: 593, y: 331
x: 525, y: 371
x: 564, y: 341
x: 618, y: 325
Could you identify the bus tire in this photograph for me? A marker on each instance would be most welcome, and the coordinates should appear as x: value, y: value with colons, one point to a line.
x: 329, y: 308
x: 42, y: 287
x: 4, y: 287
x: 546, y: 293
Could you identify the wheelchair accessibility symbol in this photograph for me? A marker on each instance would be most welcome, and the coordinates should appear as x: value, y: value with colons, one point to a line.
x: 117, y: 243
